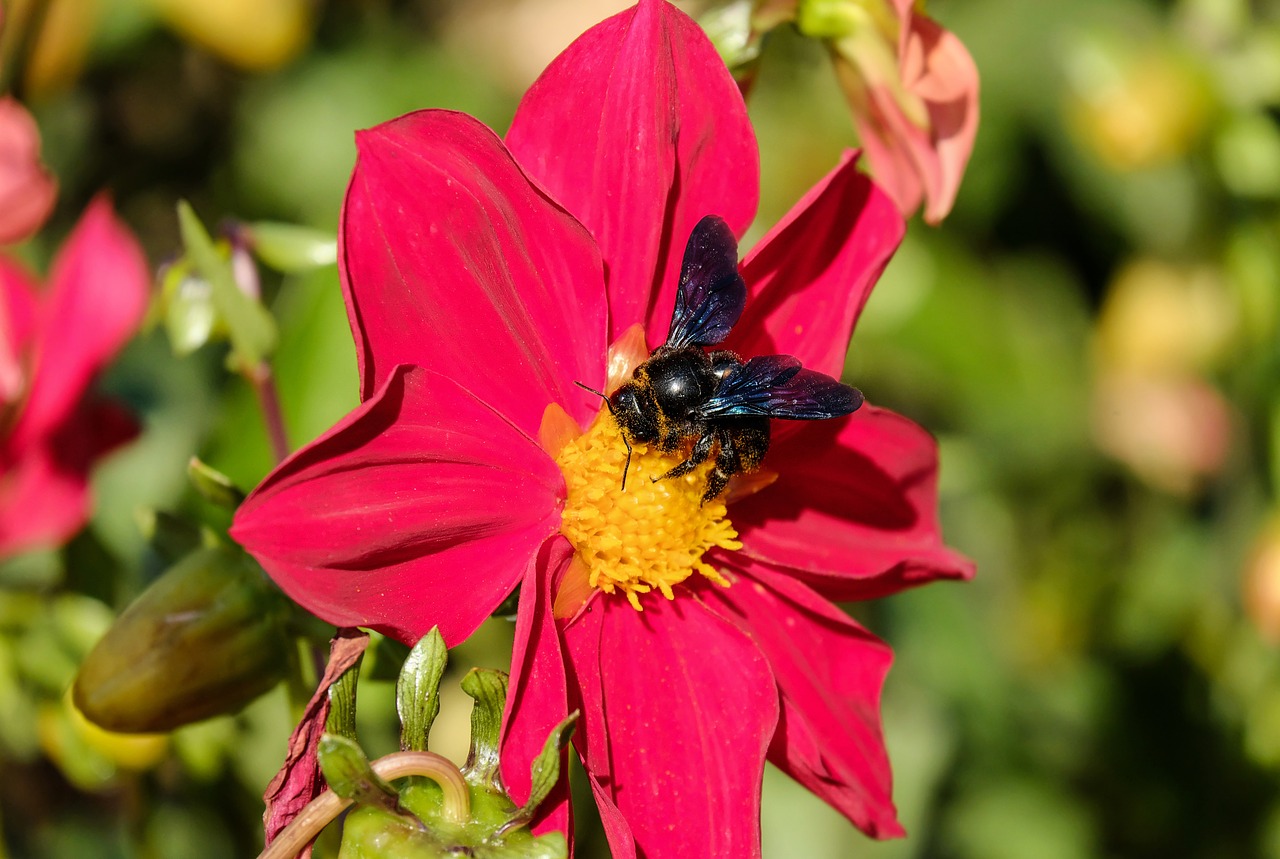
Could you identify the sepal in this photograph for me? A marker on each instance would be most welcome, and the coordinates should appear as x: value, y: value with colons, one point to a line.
x: 418, y: 690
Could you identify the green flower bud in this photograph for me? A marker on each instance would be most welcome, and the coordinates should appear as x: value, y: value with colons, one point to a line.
x: 204, y: 639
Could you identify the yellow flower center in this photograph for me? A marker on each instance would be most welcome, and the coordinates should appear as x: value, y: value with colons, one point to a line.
x: 653, y: 534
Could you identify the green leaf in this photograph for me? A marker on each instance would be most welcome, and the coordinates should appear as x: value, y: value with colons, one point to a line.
x: 350, y: 776
x: 213, y: 485
x: 489, y: 690
x: 342, y: 702
x: 250, y: 326
x: 290, y: 248
x: 546, y: 767
x: 418, y: 690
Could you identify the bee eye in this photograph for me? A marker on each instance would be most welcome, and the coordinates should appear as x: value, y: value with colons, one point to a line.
x: 630, y: 413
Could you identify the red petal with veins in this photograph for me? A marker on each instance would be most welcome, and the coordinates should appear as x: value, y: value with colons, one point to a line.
x: 854, y: 509
x: 420, y: 508
x: 655, y: 687
x: 537, y: 697
x: 810, y: 276
x: 640, y: 131
x: 830, y: 672
x: 452, y: 259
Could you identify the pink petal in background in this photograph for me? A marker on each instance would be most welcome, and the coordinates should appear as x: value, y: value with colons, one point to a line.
x: 44, y: 488
x: 27, y: 189
x: 98, y: 292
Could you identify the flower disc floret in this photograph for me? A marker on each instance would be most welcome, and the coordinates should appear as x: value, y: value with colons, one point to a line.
x: 650, y: 536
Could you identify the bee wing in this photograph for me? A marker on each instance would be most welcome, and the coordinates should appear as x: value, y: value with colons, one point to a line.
x: 776, y: 386
x: 711, y: 294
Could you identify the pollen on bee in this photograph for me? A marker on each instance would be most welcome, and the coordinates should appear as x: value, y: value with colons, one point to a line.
x: 649, y: 537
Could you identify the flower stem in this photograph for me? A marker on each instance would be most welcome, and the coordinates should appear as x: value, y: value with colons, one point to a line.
x: 324, y: 808
x: 264, y: 385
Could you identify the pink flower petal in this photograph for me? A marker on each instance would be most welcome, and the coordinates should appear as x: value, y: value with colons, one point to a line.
x: 622, y: 844
x: 914, y: 163
x: 27, y: 189
x: 44, y: 484
x: 948, y: 83
x: 453, y: 260
x: 420, y: 508
x: 830, y: 672
x: 537, y: 699
x: 18, y: 312
x: 854, y: 509
x: 668, y: 141
x: 901, y: 153
x: 655, y: 686
x: 810, y: 276
x: 586, y: 693
x: 98, y: 293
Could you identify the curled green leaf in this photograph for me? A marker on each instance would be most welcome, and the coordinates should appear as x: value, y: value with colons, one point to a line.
x: 418, y: 690
x: 489, y: 690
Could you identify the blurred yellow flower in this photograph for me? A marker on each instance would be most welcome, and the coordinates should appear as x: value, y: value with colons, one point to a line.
x: 256, y: 35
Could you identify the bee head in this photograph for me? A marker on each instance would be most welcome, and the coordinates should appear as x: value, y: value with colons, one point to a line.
x: 633, y: 408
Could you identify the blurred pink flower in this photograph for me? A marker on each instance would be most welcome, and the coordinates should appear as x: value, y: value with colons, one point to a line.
x: 482, y: 281
x: 912, y: 87
x: 27, y: 190
x: 52, y: 344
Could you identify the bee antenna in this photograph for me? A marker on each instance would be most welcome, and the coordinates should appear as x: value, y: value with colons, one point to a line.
x: 609, y: 405
x: 592, y: 390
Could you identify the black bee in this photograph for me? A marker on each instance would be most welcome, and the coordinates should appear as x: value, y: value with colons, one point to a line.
x: 715, y: 399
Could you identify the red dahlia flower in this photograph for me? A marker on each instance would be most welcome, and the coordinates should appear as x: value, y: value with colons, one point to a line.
x: 52, y: 344
x: 482, y: 281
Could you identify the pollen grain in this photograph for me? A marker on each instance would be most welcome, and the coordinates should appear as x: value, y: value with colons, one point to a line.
x: 650, y: 536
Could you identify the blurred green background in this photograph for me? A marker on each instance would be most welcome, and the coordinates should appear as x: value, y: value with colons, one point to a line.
x: 1092, y: 335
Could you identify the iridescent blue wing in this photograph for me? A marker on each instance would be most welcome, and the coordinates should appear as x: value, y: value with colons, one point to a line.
x: 711, y: 294
x: 776, y: 386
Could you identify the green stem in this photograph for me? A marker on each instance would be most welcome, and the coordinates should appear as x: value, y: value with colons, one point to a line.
x: 324, y: 808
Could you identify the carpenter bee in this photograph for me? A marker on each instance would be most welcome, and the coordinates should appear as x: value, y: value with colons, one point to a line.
x: 721, y: 403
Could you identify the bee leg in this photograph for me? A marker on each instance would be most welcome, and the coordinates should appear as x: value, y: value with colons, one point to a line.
x: 728, y: 463
x: 701, y: 450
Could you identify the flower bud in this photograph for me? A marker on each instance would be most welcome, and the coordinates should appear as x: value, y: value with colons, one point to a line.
x: 204, y: 639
